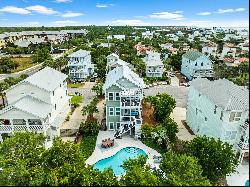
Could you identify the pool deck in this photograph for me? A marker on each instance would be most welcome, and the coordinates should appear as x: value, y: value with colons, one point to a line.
x: 126, y: 141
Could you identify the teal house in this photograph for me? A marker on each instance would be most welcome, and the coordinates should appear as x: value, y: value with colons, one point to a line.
x: 219, y: 109
x: 196, y: 64
x: 123, y: 95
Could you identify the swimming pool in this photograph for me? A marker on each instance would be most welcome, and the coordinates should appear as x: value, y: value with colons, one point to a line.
x: 117, y: 160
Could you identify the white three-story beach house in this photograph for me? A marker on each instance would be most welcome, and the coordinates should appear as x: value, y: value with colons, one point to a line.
x: 39, y: 103
x: 80, y: 66
x: 154, y: 65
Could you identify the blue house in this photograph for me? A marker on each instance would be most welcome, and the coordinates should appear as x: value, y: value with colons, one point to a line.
x: 219, y: 109
x: 195, y: 64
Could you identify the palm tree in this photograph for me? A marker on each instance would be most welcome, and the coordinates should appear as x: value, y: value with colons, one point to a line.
x: 3, y: 86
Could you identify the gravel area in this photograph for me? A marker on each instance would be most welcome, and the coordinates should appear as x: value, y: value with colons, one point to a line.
x: 178, y: 92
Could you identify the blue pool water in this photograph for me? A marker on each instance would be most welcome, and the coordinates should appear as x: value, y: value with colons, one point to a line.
x: 117, y: 160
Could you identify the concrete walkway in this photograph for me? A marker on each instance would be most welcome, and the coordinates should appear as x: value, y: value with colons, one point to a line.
x: 179, y: 114
x: 76, y: 118
x: 126, y: 141
x: 240, y: 176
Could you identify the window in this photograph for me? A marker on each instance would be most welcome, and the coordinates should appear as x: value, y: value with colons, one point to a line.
x: 66, y: 92
x: 234, y: 116
x: 205, y: 118
x: 117, y: 111
x: 55, y: 106
x: 199, y: 94
x: 60, y: 85
x: 230, y: 135
x: 53, y: 93
x: 117, y: 96
x: 196, y: 111
x: 111, y: 111
x: 111, y: 96
x: 215, y: 107
x: 111, y: 125
x: 196, y: 64
x: 221, y: 115
x: 118, y: 125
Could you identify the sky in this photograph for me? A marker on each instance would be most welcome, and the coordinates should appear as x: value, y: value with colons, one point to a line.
x: 201, y: 13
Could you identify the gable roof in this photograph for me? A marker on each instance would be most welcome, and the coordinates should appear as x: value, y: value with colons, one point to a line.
x: 79, y: 53
x: 223, y: 93
x: 122, y: 72
x: 47, y: 78
x: 114, y: 55
x: 192, y: 55
x: 32, y: 106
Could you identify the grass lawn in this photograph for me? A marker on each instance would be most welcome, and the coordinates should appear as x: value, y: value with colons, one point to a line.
x: 23, y: 63
x: 88, y: 145
x: 76, y: 99
x: 75, y: 85
x: 152, y: 144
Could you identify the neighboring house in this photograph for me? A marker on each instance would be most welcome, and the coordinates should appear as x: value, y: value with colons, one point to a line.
x: 142, y: 49
x: 229, y: 50
x: 80, y: 65
x: 114, y: 61
x: 39, y: 103
x: 2, y: 40
x: 229, y: 61
x: 166, y: 46
x: 119, y: 37
x: 123, y: 95
x: 219, y: 109
x: 154, y: 65
x: 209, y: 49
x: 195, y: 64
x: 147, y: 34
x: 173, y: 51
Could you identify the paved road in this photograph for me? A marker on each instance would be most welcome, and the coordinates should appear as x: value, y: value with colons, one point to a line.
x: 178, y: 92
x: 28, y: 71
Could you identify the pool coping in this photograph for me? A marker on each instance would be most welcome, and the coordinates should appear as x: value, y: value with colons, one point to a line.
x: 126, y: 141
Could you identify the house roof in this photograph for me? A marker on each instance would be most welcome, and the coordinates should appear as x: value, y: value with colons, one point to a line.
x: 192, y: 55
x: 48, y: 79
x: 223, y: 93
x: 79, y: 53
x: 32, y: 106
x: 113, y: 54
x: 122, y: 72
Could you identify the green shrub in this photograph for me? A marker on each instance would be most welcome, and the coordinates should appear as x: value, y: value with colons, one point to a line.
x: 89, y: 127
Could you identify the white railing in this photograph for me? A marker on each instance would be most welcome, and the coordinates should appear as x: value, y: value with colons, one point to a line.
x: 10, y: 128
x: 244, y: 146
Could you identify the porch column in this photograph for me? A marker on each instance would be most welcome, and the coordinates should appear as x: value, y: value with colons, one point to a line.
x: 44, y: 130
x: 1, y: 138
x: 11, y: 123
x: 27, y: 124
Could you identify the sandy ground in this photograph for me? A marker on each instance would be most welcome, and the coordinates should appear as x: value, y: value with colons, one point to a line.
x: 179, y: 114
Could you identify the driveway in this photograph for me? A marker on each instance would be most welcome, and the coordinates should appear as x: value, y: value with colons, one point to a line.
x: 76, y: 118
x: 178, y: 92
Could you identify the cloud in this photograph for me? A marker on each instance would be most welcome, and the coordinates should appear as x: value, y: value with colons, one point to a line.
x: 42, y: 10
x: 14, y: 10
x: 65, y: 22
x: 103, y: 5
x: 230, y: 10
x: 63, y: 1
x: 131, y: 22
x: 70, y: 14
x: 204, y: 13
x: 167, y: 15
x: 4, y: 19
x: 178, y: 12
x: 240, y: 9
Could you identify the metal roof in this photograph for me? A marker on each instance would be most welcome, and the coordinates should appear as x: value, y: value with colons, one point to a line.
x: 223, y: 93
x: 192, y: 55
x: 79, y: 53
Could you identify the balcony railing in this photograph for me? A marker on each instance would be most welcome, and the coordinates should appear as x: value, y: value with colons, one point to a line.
x: 245, y: 125
x: 11, y: 128
x: 243, y: 146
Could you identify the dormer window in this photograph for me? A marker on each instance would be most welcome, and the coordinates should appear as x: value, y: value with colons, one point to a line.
x: 53, y: 93
x: 196, y: 64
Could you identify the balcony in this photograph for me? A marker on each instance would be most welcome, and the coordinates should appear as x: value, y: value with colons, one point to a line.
x: 243, y: 146
x: 11, y: 128
x: 130, y: 102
